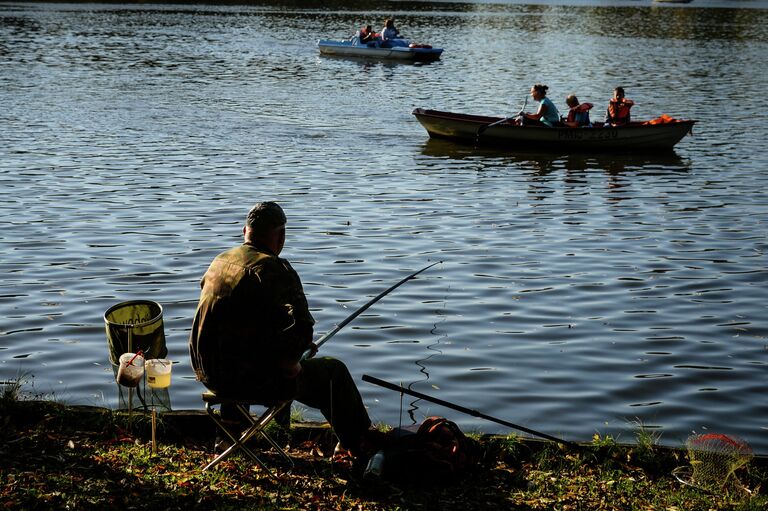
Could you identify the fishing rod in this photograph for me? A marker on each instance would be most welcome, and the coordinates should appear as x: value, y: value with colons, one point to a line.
x: 474, y: 413
x: 362, y: 309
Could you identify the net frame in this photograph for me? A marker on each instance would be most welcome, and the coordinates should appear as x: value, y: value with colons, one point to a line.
x: 714, y: 457
x: 135, y: 325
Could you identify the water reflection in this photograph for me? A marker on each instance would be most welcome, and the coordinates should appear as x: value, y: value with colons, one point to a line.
x: 612, y: 163
x: 576, y: 171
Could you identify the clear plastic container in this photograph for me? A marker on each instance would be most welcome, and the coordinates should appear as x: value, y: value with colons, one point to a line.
x: 158, y: 372
x: 131, y: 370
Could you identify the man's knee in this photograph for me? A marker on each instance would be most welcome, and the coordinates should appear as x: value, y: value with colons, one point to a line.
x: 336, y: 367
x: 327, y: 365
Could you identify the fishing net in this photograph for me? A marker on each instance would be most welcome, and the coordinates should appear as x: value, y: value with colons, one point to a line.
x: 135, y: 325
x: 714, y: 458
x: 132, y: 327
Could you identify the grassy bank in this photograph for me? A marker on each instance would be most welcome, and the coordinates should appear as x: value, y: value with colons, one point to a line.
x: 58, y: 457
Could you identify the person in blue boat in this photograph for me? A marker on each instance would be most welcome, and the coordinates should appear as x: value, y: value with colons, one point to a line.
x: 252, y: 327
x: 547, y: 114
x: 390, y: 36
x: 578, y: 113
x: 367, y: 35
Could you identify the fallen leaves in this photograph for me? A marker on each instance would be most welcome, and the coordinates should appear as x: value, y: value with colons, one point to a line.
x: 50, y: 464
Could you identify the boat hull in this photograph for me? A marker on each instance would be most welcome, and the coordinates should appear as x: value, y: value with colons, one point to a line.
x: 347, y: 49
x: 636, y: 136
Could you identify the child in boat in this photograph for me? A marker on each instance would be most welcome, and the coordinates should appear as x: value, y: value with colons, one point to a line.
x: 547, y: 114
x: 367, y: 35
x: 617, y: 113
x: 578, y: 115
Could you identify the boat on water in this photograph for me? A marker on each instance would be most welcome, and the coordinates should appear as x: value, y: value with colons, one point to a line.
x: 400, y: 49
x: 656, y: 135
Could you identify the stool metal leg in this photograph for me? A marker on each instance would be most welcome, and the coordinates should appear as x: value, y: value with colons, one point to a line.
x: 256, y: 426
x: 237, y: 443
x: 259, y: 426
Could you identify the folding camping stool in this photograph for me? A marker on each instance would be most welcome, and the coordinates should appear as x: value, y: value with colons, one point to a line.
x: 256, y: 425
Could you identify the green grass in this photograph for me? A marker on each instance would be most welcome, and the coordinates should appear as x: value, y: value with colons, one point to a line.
x: 55, y: 457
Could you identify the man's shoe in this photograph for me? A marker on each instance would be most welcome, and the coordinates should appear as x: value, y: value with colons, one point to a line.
x: 342, y: 459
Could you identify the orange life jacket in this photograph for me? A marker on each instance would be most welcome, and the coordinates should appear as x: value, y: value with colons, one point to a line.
x: 662, y: 119
x: 618, y: 110
x: 578, y: 112
x: 367, y: 36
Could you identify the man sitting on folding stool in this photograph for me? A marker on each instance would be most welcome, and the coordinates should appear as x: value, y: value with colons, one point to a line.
x: 252, y: 326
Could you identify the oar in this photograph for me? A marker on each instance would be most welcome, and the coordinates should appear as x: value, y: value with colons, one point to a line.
x: 362, y: 309
x: 506, y: 119
x: 473, y: 413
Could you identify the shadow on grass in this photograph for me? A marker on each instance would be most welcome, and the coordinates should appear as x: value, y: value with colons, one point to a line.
x: 56, y: 457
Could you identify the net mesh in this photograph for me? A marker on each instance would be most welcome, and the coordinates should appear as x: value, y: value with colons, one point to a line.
x: 138, y: 323
x: 715, y: 457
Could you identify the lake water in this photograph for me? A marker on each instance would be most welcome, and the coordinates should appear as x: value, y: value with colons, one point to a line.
x: 577, y: 294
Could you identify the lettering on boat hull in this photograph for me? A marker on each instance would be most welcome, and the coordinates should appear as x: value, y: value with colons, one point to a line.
x: 588, y: 134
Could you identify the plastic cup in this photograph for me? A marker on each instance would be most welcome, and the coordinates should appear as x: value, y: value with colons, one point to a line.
x: 131, y: 369
x: 158, y: 372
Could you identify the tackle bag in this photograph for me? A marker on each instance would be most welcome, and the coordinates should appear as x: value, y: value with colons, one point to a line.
x: 438, y: 451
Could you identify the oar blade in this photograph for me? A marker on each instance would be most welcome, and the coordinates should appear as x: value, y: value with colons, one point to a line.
x: 484, y: 127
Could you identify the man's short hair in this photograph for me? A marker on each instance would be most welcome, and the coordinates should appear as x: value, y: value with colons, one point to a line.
x: 265, y: 216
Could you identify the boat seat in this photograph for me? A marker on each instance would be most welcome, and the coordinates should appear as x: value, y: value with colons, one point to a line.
x: 256, y: 425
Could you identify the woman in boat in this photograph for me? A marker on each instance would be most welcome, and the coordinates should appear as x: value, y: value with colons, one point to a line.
x: 547, y: 114
x: 578, y: 113
x: 617, y: 113
x: 389, y: 33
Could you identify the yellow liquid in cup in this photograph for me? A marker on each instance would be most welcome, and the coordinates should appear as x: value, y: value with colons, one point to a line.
x: 158, y: 373
x: 160, y: 381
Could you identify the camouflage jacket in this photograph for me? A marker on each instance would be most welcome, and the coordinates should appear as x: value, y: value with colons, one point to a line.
x: 252, y: 317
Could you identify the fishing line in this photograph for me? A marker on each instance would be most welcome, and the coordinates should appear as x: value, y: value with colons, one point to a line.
x: 423, y: 369
x: 468, y: 411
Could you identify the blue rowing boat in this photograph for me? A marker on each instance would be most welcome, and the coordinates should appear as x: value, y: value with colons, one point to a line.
x: 399, y: 50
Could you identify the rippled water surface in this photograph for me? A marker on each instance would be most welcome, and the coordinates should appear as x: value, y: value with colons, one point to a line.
x: 577, y: 293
